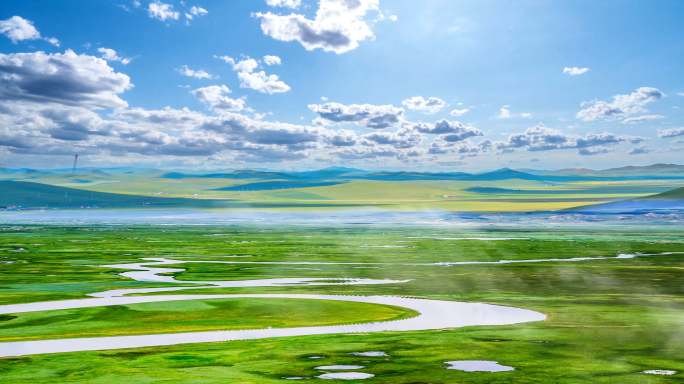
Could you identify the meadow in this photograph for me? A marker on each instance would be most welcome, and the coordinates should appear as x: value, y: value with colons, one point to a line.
x: 608, y: 320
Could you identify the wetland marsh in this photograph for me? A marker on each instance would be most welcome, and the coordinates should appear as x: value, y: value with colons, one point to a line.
x: 603, y: 317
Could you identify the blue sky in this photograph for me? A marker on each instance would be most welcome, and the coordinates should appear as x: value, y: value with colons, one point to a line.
x: 375, y: 84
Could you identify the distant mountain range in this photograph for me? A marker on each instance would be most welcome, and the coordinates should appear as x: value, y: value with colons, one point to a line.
x: 337, y: 175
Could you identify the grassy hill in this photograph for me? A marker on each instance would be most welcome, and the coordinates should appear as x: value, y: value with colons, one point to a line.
x: 670, y: 200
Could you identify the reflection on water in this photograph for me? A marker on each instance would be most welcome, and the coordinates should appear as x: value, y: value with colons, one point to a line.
x: 434, y: 314
x: 478, y: 366
x: 346, y: 376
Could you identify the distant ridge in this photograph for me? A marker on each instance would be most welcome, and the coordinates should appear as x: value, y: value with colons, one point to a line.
x: 670, y: 200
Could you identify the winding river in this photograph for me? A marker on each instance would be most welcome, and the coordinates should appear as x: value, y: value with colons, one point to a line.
x: 434, y: 314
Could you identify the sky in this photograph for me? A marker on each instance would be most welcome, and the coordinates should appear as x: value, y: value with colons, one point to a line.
x: 435, y: 85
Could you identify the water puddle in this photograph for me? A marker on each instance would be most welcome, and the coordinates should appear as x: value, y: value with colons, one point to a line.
x: 369, y: 354
x: 346, y: 376
x: 660, y: 372
x: 338, y: 367
x: 478, y: 366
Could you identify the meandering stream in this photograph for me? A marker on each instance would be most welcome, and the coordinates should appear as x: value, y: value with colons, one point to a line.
x: 434, y: 314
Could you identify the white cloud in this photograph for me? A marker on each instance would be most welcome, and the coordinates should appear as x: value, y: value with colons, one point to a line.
x: 450, y: 131
x: 294, y: 4
x: 338, y: 27
x: 324, y: 98
x: 681, y: 93
x: 247, y: 65
x: 403, y: 138
x: 67, y: 78
x: 18, y: 29
x: 431, y: 105
x: 542, y: 138
x: 505, y: 113
x: 201, y: 74
x: 162, y: 11
x: 592, y: 151
x: 393, y: 17
x: 674, y: 132
x: 258, y: 81
x: 575, y: 71
x: 640, y: 150
x: 198, y: 11
x: 526, y: 115
x: 136, y: 3
x: 622, y: 105
x: 261, y: 82
x: 227, y: 59
x: 110, y: 55
x: 53, y: 41
x: 641, y: 119
x: 365, y: 115
x: 271, y: 60
x: 459, y: 112
x: 213, y: 96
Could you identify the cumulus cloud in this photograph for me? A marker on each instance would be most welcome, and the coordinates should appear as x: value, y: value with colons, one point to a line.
x: 53, y: 41
x: 213, y: 97
x: 431, y: 105
x: 403, y: 138
x: 526, y: 115
x: 505, y: 113
x: 674, y: 132
x: 640, y: 150
x: 271, y: 60
x: 201, y: 74
x: 294, y: 4
x: 365, y: 115
x: 324, y: 98
x: 575, y: 71
x: 592, y: 151
x: 622, y: 105
x: 67, y: 78
x: 450, y: 131
x: 110, y: 55
x: 342, y: 138
x: 459, y: 112
x: 258, y: 81
x: 198, y: 11
x: 195, y: 11
x: 464, y: 148
x: 338, y: 27
x: 18, y: 29
x: 641, y: 119
x: 542, y: 138
x: 227, y: 59
x: 162, y: 11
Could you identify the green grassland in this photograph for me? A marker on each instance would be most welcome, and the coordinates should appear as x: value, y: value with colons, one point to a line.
x: 495, y: 196
x: 608, y: 319
x: 193, y: 316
